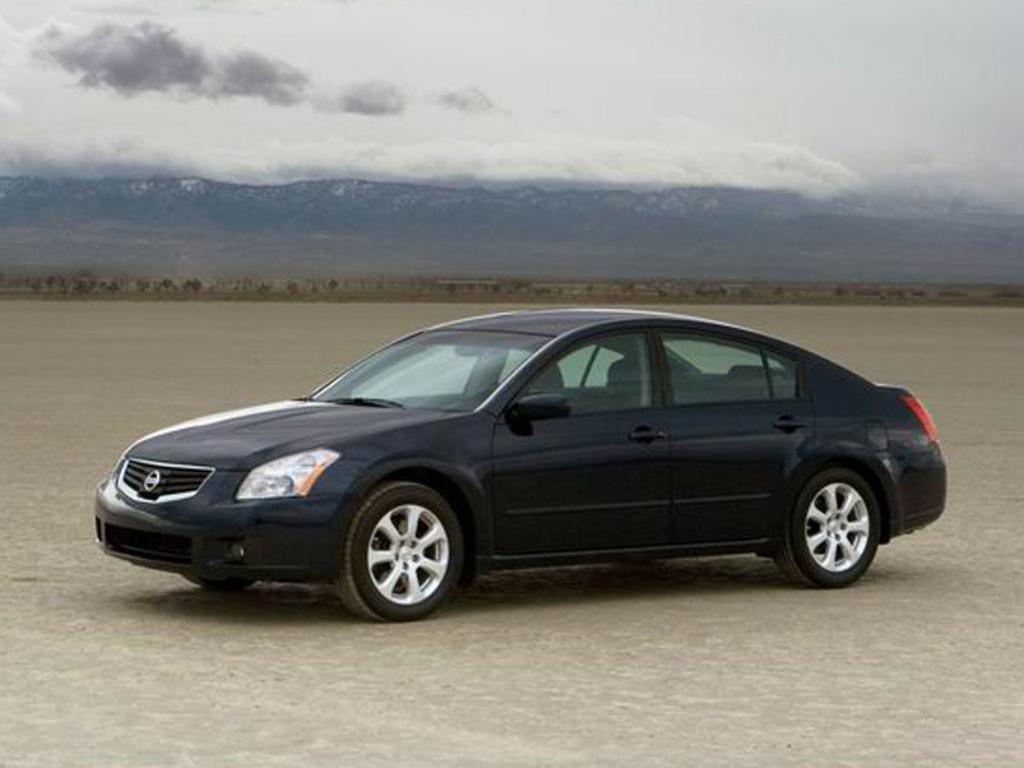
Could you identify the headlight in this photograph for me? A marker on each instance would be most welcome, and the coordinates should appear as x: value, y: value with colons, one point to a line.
x: 293, y: 475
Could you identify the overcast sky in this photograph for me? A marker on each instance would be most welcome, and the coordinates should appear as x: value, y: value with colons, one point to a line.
x: 819, y: 96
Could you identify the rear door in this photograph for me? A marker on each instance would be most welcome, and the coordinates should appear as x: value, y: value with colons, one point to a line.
x: 739, y: 421
x: 598, y: 478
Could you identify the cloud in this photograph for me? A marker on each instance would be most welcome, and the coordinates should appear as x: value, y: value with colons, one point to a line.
x: 567, y: 159
x: 90, y: 158
x: 150, y: 57
x: 11, y: 49
x: 554, y: 160
x: 130, y: 60
x: 375, y: 98
x: 471, y: 100
x: 250, y: 74
x: 8, y: 105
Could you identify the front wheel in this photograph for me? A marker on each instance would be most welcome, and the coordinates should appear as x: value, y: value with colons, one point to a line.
x: 402, y: 555
x: 832, y: 533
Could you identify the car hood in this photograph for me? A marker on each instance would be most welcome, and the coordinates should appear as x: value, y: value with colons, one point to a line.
x: 244, y: 438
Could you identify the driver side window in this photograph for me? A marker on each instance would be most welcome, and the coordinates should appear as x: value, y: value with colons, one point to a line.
x: 610, y: 374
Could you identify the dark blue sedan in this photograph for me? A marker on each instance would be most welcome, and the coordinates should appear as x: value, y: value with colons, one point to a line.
x: 534, y: 439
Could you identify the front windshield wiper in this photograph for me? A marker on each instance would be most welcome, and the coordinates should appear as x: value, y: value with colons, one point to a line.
x: 371, y: 402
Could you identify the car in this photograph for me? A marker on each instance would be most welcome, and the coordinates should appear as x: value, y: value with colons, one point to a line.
x: 529, y: 439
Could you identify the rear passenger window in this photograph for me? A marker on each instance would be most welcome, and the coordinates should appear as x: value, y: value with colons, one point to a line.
x: 782, y: 372
x: 703, y: 370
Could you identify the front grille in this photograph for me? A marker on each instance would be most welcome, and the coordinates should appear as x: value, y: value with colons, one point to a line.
x: 164, y: 547
x: 156, y: 481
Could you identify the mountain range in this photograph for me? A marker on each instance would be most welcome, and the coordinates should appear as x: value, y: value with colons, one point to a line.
x: 194, y: 226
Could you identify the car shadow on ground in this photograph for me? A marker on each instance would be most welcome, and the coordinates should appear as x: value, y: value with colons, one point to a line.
x: 657, y: 580
x: 264, y: 603
x: 617, y: 582
x: 504, y: 591
x: 284, y: 604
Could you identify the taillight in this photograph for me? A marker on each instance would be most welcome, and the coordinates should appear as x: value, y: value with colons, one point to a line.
x: 925, y: 418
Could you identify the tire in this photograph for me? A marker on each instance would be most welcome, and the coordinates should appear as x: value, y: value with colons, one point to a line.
x: 810, y: 535
x: 400, y: 585
x: 222, y: 585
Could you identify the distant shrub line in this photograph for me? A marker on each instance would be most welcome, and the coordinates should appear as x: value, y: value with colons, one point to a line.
x: 369, y: 288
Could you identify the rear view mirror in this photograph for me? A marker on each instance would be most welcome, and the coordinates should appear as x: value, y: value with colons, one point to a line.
x: 541, y: 407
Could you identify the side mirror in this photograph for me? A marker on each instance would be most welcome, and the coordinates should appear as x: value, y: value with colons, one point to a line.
x: 540, y: 407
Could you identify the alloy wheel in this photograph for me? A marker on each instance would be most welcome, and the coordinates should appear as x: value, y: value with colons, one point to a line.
x: 836, y: 527
x: 408, y: 554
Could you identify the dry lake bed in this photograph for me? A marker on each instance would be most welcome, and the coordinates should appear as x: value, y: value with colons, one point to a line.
x: 712, y: 662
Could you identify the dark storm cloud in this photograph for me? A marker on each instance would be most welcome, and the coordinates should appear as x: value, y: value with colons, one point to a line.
x: 250, y: 74
x: 131, y: 60
x: 471, y: 100
x: 375, y: 98
x: 151, y: 57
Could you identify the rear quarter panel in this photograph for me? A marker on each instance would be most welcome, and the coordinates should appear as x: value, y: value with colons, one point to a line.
x: 868, y: 428
x: 850, y: 431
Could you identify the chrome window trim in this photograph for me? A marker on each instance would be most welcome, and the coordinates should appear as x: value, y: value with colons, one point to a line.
x: 123, y: 488
x: 651, y: 315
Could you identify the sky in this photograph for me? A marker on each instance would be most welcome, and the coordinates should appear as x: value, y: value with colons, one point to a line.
x: 821, y: 97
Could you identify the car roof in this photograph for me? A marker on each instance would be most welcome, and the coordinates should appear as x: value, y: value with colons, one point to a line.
x: 556, y: 322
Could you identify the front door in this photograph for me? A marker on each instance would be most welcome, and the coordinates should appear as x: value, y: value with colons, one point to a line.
x: 598, y: 478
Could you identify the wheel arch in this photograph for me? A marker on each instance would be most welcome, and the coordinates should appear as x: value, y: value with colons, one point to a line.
x: 873, y: 475
x: 460, y: 500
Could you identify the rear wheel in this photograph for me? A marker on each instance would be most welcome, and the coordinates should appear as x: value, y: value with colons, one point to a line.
x: 832, y: 533
x: 403, y: 554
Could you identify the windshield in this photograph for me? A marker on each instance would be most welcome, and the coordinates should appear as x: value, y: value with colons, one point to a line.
x: 443, y: 370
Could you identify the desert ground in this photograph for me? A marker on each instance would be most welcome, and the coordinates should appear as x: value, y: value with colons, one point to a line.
x: 712, y: 662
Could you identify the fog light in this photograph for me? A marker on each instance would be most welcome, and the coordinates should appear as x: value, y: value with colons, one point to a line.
x: 236, y: 552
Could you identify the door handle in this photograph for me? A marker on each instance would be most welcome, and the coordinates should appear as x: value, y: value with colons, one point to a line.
x: 647, y: 435
x: 788, y: 424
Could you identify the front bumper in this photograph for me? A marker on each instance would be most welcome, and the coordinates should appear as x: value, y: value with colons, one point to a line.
x: 279, y: 540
